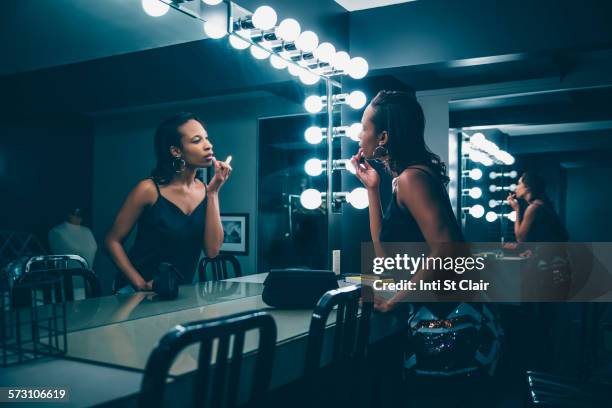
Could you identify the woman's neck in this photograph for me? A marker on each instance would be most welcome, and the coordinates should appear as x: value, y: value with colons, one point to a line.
x: 186, y: 178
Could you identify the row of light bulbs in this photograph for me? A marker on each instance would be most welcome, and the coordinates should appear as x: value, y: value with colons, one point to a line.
x: 481, y: 150
x: 476, y: 174
x: 286, y: 45
x: 311, y: 198
x: 476, y: 192
x: 477, y: 211
x: 315, y: 134
x: 355, y: 99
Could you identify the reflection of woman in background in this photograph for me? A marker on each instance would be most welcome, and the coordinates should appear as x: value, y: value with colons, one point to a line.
x: 539, y: 222
x: 177, y: 214
x: 419, y: 211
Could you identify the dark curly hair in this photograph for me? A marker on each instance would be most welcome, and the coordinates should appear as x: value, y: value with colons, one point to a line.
x: 167, y: 136
x: 401, y: 115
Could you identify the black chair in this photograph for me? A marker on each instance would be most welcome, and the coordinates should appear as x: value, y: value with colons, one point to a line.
x: 212, y: 386
x: 350, y: 340
x: 548, y: 390
x: 219, y: 267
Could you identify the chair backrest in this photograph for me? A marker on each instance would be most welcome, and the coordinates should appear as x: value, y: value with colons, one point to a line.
x: 219, y: 267
x: 222, y: 391
x: 66, y: 267
x: 351, y: 331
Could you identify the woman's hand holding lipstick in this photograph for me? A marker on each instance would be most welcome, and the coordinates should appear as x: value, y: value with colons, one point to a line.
x: 364, y: 172
x: 222, y: 173
x: 512, y: 201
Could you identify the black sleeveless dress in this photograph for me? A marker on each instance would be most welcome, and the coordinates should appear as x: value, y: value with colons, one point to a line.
x: 444, y: 338
x: 166, y: 234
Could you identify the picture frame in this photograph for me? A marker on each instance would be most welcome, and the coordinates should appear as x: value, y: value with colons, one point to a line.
x: 236, y: 233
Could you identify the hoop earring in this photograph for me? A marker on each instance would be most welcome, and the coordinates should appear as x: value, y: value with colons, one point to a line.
x: 380, y: 152
x: 180, y: 163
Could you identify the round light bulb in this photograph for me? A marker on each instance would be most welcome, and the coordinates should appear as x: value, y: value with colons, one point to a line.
x: 325, y: 52
x: 313, y: 135
x: 259, y: 53
x: 513, y: 174
x: 311, y: 199
x: 477, y: 139
x: 264, y: 17
x: 307, y: 41
x: 277, y: 62
x: 308, y: 78
x: 354, y: 131
x: 358, y: 198
x: 512, y: 187
x: 238, y: 42
x: 214, y: 29
x: 294, y: 70
x: 155, y: 8
x: 358, y: 68
x: 492, y: 203
x: 288, y: 30
x: 341, y: 61
x: 475, y: 192
x: 493, y: 175
x: 491, y: 216
x: 313, y: 104
x: 511, y: 216
x: 492, y: 188
x: 356, y: 99
x: 212, y: 2
x: 477, y: 211
x: 313, y: 167
x: 475, y: 174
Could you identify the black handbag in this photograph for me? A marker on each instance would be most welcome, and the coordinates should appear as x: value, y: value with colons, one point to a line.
x: 166, y: 283
x: 297, y: 288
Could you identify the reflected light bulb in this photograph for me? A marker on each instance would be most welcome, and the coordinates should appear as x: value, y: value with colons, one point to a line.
x: 313, y: 167
x: 475, y: 174
x: 308, y: 78
x: 358, y: 68
x: 264, y: 17
x: 513, y: 174
x: 475, y: 192
x: 353, y: 131
x: 294, y: 69
x: 313, y: 135
x: 311, y: 199
x: 512, y: 187
x: 341, y: 61
x: 325, y: 52
x: 212, y: 2
x: 477, y: 211
x: 511, y: 216
x: 238, y: 42
x: 358, y: 198
x: 492, y: 188
x: 259, y: 53
x: 313, y: 104
x: 288, y: 30
x: 356, y: 99
x: 307, y: 41
x: 214, y: 29
x: 155, y: 8
x: 478, y: 139
x: 491, y: 216
x: 277, y: 62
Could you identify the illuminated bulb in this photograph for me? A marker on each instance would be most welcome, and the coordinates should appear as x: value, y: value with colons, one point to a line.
x: 294, y: 69
x: 238, y: 42
x: 313, y: 167
x: 341, y: 61
x: 308, y: 78
x: 511, y: 216
x: 356, y: 99
x: 512, y: 187
x: 492, y: 203
x: 513, y: 174
x: 313, y: 135
x: 493, y: 188
x: 475, y: 174
x: 325, y: 52
x: 491, y: 216
x: 477, y: 211
x: 307, y: 41
x: 277, y: 62
x: 477, y: 139
x: 259, y: 53
x: 493, y: 175
x: 155, y: 8
x: 288, y: 30
x: 214, y: 29
x: 475, y: 192
x: 311, y: 199
x: 264, y: 17
x: 353, y: 131
x: 313, y: 104
x: 212, y: 2
x: 358, y: 68
x: 358, y: 198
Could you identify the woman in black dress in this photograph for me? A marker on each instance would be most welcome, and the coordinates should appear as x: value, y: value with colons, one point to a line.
x: 176, y: 213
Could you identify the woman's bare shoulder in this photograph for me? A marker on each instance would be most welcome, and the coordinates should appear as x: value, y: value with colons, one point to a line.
x: 145, y: 192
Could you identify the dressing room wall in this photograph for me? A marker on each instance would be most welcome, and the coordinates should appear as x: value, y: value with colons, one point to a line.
x: 123, y: 155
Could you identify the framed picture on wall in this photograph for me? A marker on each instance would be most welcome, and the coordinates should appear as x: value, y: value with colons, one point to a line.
x: 235, y: 234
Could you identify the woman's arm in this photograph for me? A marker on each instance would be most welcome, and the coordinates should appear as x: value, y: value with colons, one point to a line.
x: 371, y: 181
x: 142, y: 195
x: 213, y: 230
x: 416, y: 192
x: 523, y: 223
